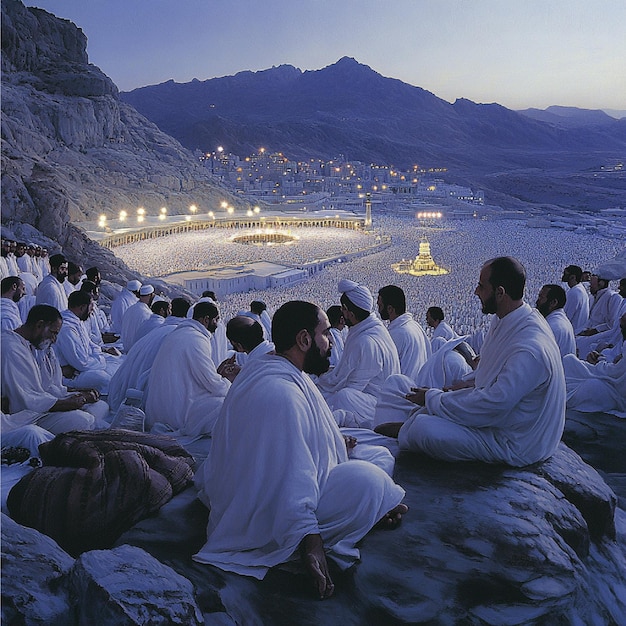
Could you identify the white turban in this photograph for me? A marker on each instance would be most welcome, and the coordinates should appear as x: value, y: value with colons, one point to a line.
x: 357, y: 294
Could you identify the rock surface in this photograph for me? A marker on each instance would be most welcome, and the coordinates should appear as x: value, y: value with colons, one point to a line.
x: 34, y: 577
x: 127, y: 586
x: 480, y: 545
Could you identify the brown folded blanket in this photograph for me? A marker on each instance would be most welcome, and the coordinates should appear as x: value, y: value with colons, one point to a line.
x: 95, y: 485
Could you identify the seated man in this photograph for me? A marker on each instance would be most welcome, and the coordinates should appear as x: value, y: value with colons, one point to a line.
x: 515, y: 413
x: 84, y: 363
x: 13, y: 290
x: 246, y: 338
x: 369, y: 357
x: 135, y: 315
x: 599, y: 386
x: 21, y: 376
x: 287, y: 483
x: 337, y: 324
x: 448, y: 366
x: 411, y: 341
x: 442, y: 331
x: 185, y: 392
x: 602, y: 313
x: 135, y: 370
x: 550, y: 303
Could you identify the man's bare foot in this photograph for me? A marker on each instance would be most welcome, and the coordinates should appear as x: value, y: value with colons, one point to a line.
x: 389, y: 429
x: 393, y: 518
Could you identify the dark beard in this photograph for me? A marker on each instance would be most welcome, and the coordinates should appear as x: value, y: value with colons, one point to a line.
x: 383, y: 314
x: 544, y: 309
x: 315, y: 362
x: 490, y: 305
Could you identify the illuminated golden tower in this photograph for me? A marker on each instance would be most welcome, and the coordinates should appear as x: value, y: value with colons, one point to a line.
x: 422, y: 265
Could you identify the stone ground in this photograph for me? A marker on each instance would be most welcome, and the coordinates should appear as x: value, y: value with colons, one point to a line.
x: 599, y: 439
x: 479, y: 546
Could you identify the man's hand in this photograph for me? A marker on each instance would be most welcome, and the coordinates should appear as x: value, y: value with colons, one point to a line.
x: 593, y: 357
x: 589, y: 332
x: 350, y: 443
x: 229, y: 369
x: 68, y: 371
x: 460, y: 384
x: 90, y: 395
x: 418, y: 396
x: 314, y: 560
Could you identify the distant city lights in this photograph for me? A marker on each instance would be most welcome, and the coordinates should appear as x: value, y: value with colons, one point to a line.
x: 429, y: 215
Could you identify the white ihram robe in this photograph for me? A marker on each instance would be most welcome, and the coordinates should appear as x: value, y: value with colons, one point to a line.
x: 516, y: 412
x: 563, y: 331
x: 278, y: 471
x: 577, y: 307
x: 50, y: 291
x: 124, y: 300
x: 132, y: 320
x: 10, y: 318
x: 412, y: 344
x: 74, y: 347
x: 443, y: 368
x: 351, y: 389
x: 135, y: 370
x: 596, y: 388
x: 185, y: 392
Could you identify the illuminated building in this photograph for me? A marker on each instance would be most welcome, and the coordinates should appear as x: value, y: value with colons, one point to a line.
x: 422, y: 265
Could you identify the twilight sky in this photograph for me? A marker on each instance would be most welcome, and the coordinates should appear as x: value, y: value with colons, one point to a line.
x: 519, y: 53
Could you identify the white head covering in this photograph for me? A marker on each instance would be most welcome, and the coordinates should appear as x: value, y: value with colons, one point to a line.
x: 133, y: 285
x: 359, y: 295
x: 146, y: 290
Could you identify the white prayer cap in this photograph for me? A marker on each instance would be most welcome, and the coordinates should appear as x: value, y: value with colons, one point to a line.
x: 146, y: 290
x: 133, y: 285
x: 157, y: 298
x: 359, y: 295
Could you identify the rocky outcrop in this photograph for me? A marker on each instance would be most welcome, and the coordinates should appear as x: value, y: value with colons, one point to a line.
x: 480, y: 545
x: 71, y: 150
x: 127, y: 586
x: 34, y: 577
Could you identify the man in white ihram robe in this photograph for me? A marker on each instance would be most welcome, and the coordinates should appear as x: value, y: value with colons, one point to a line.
x: 577, y: 300
x: 22, y: 379
x: 444, y: 367
x: 369, y: 357
x: 123, y: 301
x: 185, y: 392
x: 599, y: 387
x: 515, y: 413
x: 410, y: 339
x: 135, y: 370
x: 278, y: 476
x: 136, y: 315
x: 92, y: 367
x: 550, y: 302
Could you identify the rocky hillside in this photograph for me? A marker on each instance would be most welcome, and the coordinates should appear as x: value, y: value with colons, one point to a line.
x: 71, y: 150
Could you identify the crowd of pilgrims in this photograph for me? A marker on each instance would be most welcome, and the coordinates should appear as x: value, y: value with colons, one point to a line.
x: 357, y: 381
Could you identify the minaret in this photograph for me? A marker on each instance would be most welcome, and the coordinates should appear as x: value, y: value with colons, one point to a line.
x: 368, y: 210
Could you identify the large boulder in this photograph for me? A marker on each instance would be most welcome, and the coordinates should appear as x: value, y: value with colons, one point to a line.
x: 34, y: 578
x: 126, y: 587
